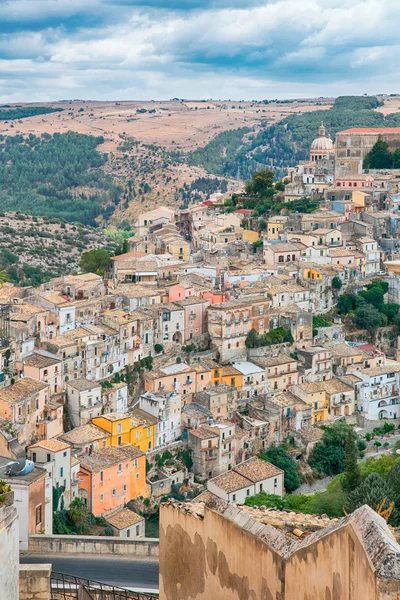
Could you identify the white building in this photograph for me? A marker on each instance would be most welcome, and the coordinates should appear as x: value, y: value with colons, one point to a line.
x: 378, y: 396
x: 126, y: 524
x: 247, y: 479
x: 254, y: 379
x: 372, y: 264
x: 67, y: 318
x: 84, y: 400
x: 166, y: 407
x: 54, y: 456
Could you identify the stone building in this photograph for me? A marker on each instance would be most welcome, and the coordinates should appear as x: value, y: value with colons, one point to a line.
x: 242, y: 552
x: 352, y: 146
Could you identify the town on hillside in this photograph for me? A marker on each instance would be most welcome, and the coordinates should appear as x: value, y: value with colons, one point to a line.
x: 242, y: 350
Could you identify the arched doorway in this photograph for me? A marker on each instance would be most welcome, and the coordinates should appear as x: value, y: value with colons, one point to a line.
x: 177, y: 337
x: 383, y: 414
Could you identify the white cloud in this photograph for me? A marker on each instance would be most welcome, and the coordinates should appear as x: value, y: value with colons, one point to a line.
x: 281, y: 48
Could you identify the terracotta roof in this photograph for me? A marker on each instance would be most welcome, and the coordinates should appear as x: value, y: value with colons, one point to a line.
x: 257, y: 469
x: 370, y: 130
x: 23, y: 388
x: 83, y: 384
x: 52, y: 445
x: 123, y: 517
x: 203, y: 433
x: 40, y: 361
x: 231, y: 481
x: 109, y: 456
x: 85, y: 434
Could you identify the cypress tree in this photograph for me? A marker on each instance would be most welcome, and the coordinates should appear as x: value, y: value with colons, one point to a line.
x: 351, y: 476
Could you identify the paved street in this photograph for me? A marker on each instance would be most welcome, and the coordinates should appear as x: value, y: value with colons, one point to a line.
x: 119, y: 571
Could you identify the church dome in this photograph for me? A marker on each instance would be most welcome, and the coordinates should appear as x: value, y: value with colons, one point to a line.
x: 322, y: 143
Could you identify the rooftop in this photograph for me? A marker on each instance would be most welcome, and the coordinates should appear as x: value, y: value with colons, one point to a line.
x: 109, y: 456
x: 20, y: 390
x: 85, y: 434
x: 83, y: 384
x: 51, y: 445
x: 123, y: 517
x: 257, y: 469
x: 40, y: 361
x: 231, y: 481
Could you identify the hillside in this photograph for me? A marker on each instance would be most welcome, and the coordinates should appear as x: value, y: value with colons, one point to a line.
x: 242, y: 152
x: 34, y: 249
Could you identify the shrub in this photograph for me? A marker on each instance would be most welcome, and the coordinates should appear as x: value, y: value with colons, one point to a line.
x: 158, y: 348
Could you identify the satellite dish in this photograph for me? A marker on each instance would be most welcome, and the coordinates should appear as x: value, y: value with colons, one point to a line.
x: 22, y: 466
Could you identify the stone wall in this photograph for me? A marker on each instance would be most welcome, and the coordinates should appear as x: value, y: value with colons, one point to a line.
x: 73, y: 544
x: 34, y: 582
x: 227, y: 553
x: 369, y: 424
x: 9, y: 545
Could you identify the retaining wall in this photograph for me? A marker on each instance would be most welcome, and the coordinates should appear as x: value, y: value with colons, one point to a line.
x: 90, y: 544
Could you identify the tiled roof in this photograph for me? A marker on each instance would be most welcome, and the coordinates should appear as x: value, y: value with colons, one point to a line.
x: 52, y: 445
x: 109, y: 456
x: 257, y: 469
x: 40, y: 361
x: 83, y: 384
x: 85, y: 434
x: 123, y: 517
x: 231, y: 481
x: 21, y: 389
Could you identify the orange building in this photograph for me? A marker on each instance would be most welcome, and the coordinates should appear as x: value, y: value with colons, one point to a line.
x: 112, y: 476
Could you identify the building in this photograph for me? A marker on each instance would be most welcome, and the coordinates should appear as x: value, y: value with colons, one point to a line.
x: 280, y: 371
x: 45, y: 368
x: 313, y: 394
x: 166, y: 407
x: 247, y: 479
x: 33, y: 498
x: 378, y: 396
x: 112, y: 476
x: 137, y: 428
x: 213, y: 449
x: 23, y: 405
x: 254, y: 379
x: 86, y: 438
x: 273, y: 554
x: 55, y: 457
x: 220, y: 400
x: 352, y: 146
x: 84, y: 399
x: 278, y: 254
x: 114, y: 397
x: 315, y: 364
x: 126, y: 524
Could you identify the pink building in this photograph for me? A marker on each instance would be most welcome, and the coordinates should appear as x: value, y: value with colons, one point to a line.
x: 180, y: 291
x: 281, y: 253
x: 342, y: 256
x: 195, y: 316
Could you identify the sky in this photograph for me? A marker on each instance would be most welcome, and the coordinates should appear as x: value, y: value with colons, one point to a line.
x: 200, y: 49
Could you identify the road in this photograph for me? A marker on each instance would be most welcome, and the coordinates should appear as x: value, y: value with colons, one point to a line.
x: 118, y: 570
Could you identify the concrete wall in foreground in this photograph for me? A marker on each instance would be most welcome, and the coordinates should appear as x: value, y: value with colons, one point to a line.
x: 74, y: 544
x: 34, y: 582
x: 231, y: 556
x: 9, y: 546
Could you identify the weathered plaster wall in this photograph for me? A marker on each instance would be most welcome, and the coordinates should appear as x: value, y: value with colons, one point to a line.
x: 34, y: 582
x: 9, y: 545
x: 214, y: 557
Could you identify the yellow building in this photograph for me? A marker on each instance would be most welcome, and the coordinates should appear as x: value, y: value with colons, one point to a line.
x: 227, y: 375
x: 314, y: 395
x: 276, y: 224
x: 179, y: 248
x: 311, y: 273
x: 250, y: 236
x: 137, y: 428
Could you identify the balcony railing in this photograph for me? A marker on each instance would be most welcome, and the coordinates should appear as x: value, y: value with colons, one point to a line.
x: 69, y: 587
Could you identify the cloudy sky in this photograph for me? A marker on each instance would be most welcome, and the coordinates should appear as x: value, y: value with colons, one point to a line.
x: 221, y: 49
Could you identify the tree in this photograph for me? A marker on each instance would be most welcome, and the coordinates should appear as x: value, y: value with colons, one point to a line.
x: 4, y: 277
x: 261, y: 184
x: 367, y: 317
x: 374, y: 296
x: 347, y: 303
x: 336, y: 283
x: 379, y: 157
x: 252, y: 339
x: 393, y: 481
x: 78, y: 514
x: 351, y: 476
x: 281, y: 459
x: 95, y: 261
x: 328, y: 459
x: 373, y: 491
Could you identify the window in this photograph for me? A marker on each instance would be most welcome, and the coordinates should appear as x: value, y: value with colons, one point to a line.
x: 124, y: 488
x: 61, y: 471
x: 101, y: 497
x: 34, y: 456
x: 114, y: 492
x: 137, y: 530
x: 120, y: 468
x: 247, y: 492
x: 275, y: 482
x: 137, y: 475
x: 128, y: 533
x: 48, y: 458
x: 119, y: 428
x: 101, y: 476
x: 119, y: 440
x: 234, y: 498
x: 135, y: 463
x: 38, y: 514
